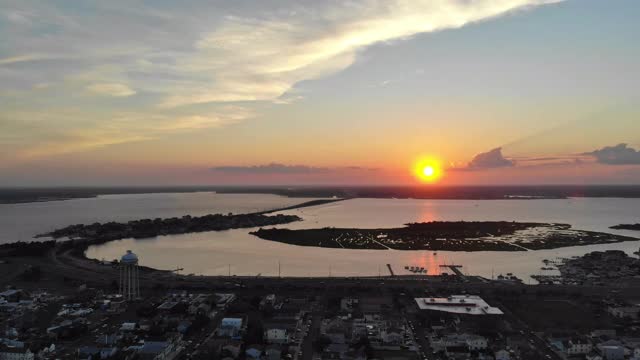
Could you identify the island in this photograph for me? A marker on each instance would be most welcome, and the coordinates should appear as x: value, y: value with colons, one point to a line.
x: 626, y: 227
x: 446, y: 236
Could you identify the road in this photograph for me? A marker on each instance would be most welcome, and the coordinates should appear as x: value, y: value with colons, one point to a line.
x: 542, y: 346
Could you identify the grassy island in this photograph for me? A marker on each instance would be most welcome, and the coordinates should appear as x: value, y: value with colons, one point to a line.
x: 446, y: 236
x: 626, y: 227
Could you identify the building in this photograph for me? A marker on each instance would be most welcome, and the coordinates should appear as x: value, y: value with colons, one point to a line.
x: 458, y: 304
x: 625, y: 311
x: 578, y: 346
x: 15, y: 353
x: 502, y: 355
x: 231, y: 327
x: 129, y: 276
x: 254, y: 351
x: 278, y: 333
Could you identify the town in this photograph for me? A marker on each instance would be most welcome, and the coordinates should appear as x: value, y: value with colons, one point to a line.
x: 403, y: 317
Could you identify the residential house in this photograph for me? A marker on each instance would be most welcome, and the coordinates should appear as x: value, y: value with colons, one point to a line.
x: 231, y: 327
x: 15, y: 353
x: 502, y: 355
x: 254, y: 351
x: 578, y: 346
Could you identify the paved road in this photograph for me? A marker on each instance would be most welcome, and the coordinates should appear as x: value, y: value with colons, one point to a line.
x: 542, y: 346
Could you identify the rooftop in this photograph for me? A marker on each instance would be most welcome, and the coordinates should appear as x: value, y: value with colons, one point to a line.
x: 458, y: 304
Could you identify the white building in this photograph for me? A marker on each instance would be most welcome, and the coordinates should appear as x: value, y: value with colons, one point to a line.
x: 458, y: 304
x: 276, y: 335
x: 392, y: 336
x: 629, y: 311
x: 578, y: 346
x: 231, y: 327
x: 12, y: 353
x: 476, y: 342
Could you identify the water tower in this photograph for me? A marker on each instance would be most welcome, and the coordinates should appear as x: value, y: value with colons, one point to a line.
x: 129, y: 276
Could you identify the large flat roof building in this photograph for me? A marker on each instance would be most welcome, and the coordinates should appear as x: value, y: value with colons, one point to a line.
x: 458, y: 304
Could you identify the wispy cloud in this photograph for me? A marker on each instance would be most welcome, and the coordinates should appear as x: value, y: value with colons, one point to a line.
x: 113, y: 129
x: 276, y: 168
x: 180, y: 61
x: 111, y: 89
x: 250, y: 59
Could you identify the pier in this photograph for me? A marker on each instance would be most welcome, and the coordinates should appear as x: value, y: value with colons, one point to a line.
x: 456, y: 270
x: 390, y: 270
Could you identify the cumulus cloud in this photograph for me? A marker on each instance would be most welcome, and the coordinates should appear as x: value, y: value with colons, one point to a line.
x: 620, y: 154
x: 111, y: 89
x: 276, y: 168
x: 489, y: 160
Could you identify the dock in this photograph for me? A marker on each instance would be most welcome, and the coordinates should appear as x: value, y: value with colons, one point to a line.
x: 456, y: 270
x: 390, y: 270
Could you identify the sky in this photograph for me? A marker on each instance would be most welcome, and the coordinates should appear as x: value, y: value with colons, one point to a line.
x: 318, y: 92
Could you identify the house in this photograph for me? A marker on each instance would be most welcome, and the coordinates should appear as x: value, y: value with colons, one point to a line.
x: 348, y: 304
x: 625, y: 311
x: 67, y: 329
x: 611, y: 350
x: 128, y: 327
x: 254, y: 351
x: 335, y: 351
x: 273, y: 352
x: 610, y: 333
x: 578, y: 346
x: 13, y: 296
x: 502, y: 355
x: 392, y: 336
x: 278, y: 332
x: 231, y: 327
x: 184, y: 326
x: 222, y: 301
x: 157, y: 350
x: 14, y: 353
x: 476, y: 342
x: 268, y: 302
x: 96, y: 353
x: 232, y: 348
x: 593, y: 355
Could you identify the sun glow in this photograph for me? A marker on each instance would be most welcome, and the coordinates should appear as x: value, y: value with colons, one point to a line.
x: 427, y: 170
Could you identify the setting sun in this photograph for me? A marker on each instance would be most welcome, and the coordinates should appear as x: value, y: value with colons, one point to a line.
x: 427, y: 170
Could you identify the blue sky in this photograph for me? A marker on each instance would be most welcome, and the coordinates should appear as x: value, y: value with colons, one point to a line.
x: 117, y: 93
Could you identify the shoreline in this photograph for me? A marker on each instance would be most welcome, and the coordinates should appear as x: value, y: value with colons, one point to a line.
x: 22, y: 195
x: 147, y: 228
x: 467, y: 236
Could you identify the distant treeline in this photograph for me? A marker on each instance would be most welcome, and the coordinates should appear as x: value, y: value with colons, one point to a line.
x: 626, y: 227
x: 38, y: 248
x: 17, y: 195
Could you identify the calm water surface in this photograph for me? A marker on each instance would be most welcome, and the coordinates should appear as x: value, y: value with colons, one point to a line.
x: 235, y: 251
x: 23, y: 221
